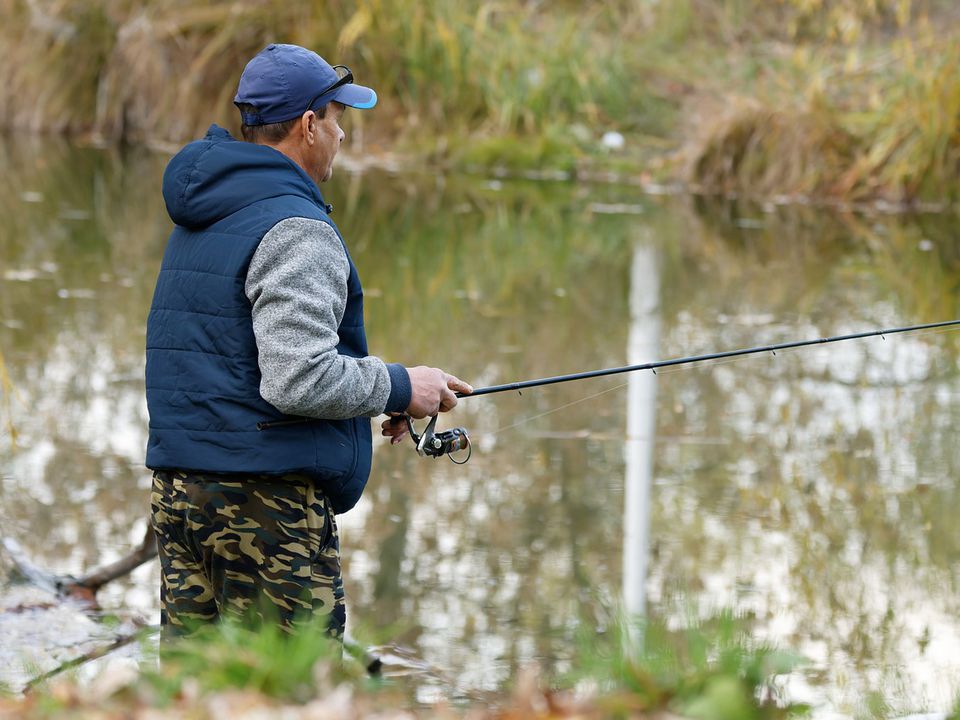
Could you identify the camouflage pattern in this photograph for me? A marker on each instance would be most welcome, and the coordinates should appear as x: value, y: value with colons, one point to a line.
x: 258, y: 547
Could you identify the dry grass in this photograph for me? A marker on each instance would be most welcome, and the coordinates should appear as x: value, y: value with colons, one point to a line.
x: 125, y: 69
x: 855, y: 99
x: 164, y: 70
x: 758, y: 149
x: 886, y: 127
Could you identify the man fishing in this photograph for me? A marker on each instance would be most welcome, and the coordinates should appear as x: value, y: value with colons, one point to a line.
x: 259, y: 384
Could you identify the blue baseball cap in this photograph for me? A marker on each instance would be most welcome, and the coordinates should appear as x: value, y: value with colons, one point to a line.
x: 284, y: 81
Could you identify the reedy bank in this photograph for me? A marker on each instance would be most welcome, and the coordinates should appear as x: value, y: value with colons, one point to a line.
x: 801, y: 98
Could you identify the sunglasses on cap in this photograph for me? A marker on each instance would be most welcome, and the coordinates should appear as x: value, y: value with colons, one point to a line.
x: 344, y: 77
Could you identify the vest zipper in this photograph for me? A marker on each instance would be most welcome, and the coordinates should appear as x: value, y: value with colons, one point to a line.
x: 283, y: 423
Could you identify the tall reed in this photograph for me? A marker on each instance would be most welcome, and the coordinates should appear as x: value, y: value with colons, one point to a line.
x: 887, y: 127
x: 124, y: 69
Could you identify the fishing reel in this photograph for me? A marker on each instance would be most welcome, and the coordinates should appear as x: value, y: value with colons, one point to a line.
x: 431, y: 443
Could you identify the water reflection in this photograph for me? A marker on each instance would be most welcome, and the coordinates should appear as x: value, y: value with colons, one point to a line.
x: 813, y: 491
x: 643, y: 346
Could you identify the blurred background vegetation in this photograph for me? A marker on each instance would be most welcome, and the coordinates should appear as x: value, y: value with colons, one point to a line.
x: 855, y: 100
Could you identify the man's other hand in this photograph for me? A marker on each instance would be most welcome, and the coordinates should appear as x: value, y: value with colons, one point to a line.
x: 433, y: 391
x: 394, y: 427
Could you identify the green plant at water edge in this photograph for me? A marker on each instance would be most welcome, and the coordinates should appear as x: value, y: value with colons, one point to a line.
x: 955, y: 714
x: 294, y: 666
x: 710, y: 670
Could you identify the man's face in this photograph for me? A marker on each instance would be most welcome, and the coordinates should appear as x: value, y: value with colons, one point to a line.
x: 327, y: 138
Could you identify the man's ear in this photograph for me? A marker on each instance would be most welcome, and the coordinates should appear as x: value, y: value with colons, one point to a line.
x: 308, y: 126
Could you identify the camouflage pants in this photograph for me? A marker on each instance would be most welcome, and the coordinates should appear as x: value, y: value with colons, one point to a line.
x: 252, y: 546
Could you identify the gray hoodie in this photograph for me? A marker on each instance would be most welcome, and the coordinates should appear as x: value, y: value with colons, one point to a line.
x: 297, y: 285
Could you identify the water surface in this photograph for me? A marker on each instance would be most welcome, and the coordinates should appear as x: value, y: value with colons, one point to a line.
x: 813, y: 492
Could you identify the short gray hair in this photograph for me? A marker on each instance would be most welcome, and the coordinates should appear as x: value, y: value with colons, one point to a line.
x: 272, y: 133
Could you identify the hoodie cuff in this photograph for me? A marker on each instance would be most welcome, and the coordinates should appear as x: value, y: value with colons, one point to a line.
x: 401, y: 391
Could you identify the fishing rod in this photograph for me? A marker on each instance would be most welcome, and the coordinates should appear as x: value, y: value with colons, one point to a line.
x: 436, y: 444
x: 700, y: 358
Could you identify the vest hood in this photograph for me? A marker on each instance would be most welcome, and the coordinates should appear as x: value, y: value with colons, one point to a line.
x: 213, y: 178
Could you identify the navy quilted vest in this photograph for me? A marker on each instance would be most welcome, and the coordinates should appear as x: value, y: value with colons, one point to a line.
x: 203, y: 380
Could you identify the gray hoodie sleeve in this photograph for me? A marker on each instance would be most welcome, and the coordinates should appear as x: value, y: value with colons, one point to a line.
x: 297, y: 285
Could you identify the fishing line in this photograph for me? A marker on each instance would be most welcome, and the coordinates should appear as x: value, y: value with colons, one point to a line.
x: 666, y: 371
x: 557, y: 409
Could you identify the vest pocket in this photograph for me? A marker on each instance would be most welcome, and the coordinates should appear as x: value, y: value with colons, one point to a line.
x: 333, y: 452
x: 336, y: 445
x: 327, y: 447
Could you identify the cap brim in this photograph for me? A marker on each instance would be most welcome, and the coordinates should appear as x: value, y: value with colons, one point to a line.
x: 355, y: 96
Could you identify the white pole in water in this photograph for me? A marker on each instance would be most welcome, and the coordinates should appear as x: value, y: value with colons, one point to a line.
x: 643, y: 343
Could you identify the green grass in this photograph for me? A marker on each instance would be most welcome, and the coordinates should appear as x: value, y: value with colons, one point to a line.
x: 708, y: 671
x: 266, y: 660
x: 955, y: 714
